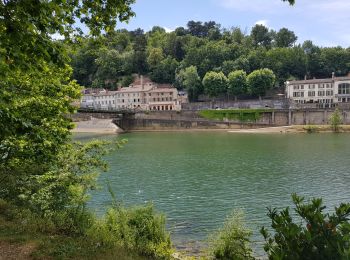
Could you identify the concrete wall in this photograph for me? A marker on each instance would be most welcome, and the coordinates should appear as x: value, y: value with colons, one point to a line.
x: 158, y: 120
x: 254, y: 104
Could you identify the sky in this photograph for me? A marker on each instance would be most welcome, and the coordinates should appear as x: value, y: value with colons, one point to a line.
x: 325, y: 22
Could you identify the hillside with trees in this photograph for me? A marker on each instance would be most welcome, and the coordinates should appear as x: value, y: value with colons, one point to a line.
x: 186, y: 56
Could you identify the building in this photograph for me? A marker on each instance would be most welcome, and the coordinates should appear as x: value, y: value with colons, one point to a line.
x: 143, y: 94
x: 325, y: 92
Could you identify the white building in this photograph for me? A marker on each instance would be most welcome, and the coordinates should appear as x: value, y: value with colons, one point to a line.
x: 143, y: 94
x: 321, y: 91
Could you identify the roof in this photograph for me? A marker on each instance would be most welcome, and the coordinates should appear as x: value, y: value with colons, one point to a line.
x: 310, y: 81
x: 132, y: 89
x: 315, y: 81
x: 105, y: 93
x: 162, y: 90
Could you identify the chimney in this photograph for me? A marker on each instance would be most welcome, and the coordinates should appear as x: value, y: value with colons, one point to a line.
x: 142, y: 82
x: 305, y: 77
x: 349, y: 74
x: 333, y: 74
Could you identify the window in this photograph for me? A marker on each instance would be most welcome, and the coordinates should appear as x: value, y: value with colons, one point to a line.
x: 301, y: 86
x: 329, y: 93
x: 344, y: 88
x: 321, y: 93
x: 312, y: 86
x: 311, y: 93
x: 320, y: 86
x: 296, y: 87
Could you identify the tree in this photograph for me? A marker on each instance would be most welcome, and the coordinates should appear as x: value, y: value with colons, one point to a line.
x: 285, y: 38
x: 36, y: 93
x: 260, y: 80
x: 318, y: 235
x: 165, y: 71
x: 139, y: 47
x: 112, y: 65
x: 335, y: 120
x: 155, y: 57
x: 261, y: 36
x: 285, y: 63
x: 313, y: 59
x: 188, y: 79
x: 237, y: 83
x: 215, y: 83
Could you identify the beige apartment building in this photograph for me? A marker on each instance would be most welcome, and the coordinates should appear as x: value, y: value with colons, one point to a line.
x: 143, y: 94
x: 327, y: 92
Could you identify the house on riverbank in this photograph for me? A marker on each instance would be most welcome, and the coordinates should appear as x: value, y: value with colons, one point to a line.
x: 142, y: 94
x: 324, y: 92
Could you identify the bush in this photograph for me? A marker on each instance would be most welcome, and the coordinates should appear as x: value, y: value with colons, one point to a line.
x: 318, y: 235
x: 335, y: 120
x: 232, y: 241
x: 137, y: 229
x: 310, y: 129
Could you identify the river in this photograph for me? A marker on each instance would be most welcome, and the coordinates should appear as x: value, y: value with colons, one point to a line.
x: 198, y: 178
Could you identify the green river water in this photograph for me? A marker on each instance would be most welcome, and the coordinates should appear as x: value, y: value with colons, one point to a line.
x: 198, y: 178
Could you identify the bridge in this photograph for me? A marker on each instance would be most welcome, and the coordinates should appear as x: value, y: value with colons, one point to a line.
x: 124, y: 118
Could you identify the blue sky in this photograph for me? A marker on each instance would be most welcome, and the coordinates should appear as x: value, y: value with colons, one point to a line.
x: 325, y: 22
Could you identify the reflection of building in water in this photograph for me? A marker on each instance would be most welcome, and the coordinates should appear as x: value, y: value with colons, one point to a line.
x: 322, y: 91
x: 143, y: 94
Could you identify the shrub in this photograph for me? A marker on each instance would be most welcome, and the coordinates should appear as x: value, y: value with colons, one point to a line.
x: 310, y: 129
x: 138, y: 229
x: 318, y: 235
x: 232, y: 240
x: 335, y: 120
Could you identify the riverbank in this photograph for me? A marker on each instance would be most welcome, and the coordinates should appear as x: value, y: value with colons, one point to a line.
x: 98, y: 126
x: 105, y: 126
x: 293, y: 129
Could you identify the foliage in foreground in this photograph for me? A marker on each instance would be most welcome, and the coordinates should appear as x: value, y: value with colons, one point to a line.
x: 137, y: 229
x: 124, y: 233
x: 318, y: 235
x: 53, y: 239
x: 232, y: 240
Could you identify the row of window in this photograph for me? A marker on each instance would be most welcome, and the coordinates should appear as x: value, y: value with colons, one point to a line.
x: 139, y: 94
x: 320, y: 93
x: 321, y: 101
x: 313, y: 86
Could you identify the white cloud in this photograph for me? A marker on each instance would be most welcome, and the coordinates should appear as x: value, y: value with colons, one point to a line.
x: 262, y: 22
x: 168, y: 30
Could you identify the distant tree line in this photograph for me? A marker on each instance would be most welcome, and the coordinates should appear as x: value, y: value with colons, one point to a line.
x: 188, y: 57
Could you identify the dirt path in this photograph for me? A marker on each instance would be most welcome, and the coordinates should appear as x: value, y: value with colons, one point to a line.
x: 9, y: 251
x: 266, y: 130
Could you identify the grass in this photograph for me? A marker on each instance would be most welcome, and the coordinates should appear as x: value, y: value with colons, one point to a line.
x: 320, y: 128
x: 243, y: 115
x: 58, y: 246
x: 19, y: 231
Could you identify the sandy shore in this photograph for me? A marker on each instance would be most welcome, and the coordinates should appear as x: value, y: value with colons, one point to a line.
x: 98, y: 126
x: 268, y: 130
x: 105, y: 126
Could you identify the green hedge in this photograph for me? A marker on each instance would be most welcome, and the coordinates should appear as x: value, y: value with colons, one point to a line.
x: 243, y: 115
